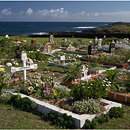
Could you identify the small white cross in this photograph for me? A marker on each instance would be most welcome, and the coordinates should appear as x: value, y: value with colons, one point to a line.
x: 24, y: 68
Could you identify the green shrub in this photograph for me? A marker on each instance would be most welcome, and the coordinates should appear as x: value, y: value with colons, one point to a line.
x: 62, y: 120
x: 4, y: 97
x: 93, y: 89
x: 88, y: 124
x: 94, y: 123
x: 14, y: 100
x: 51, y: 115
x: 90, y: 106
x: 24, y: 104
x: 103, y: 118
x: 27, y: 104
x: 116, y: 112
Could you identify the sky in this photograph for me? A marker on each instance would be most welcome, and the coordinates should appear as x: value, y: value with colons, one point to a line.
x: 65, y: 11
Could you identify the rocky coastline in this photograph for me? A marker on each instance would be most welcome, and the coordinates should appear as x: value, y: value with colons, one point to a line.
x: 117, y: 29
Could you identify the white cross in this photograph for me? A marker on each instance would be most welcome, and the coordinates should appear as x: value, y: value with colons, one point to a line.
x: 24, y: 68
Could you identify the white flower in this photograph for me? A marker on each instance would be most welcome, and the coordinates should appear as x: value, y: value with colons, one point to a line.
x: 30, y: 88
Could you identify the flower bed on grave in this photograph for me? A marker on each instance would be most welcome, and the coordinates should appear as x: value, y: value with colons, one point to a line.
x: 60, y: 95
x: 83, y: 99
x: 118, y: 65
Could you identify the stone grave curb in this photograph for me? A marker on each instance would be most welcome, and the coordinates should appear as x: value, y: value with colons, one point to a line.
x: 79, y: 119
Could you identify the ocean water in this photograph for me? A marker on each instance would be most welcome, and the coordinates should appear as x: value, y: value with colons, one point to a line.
x: 43, y: 28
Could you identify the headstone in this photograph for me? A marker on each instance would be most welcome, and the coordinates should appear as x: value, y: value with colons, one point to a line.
x: 113, y: 41
x: 99, y: 42
x: 62, y: 59
x: 51, y: 39
x: 17, y: 52
x: 111, y: 47
x: 47, y: 48
x: 71, y: 48
x: 33, y: 42
x: 6, y: 36
x: 24, y: 68
x: 95, y: 40
x: 90, y: 50
x: 8, y: 64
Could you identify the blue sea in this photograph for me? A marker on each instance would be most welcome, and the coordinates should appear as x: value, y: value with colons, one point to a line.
x: 43, y: 28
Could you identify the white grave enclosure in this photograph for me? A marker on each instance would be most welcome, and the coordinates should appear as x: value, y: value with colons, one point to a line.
x: 45, y: 108
x: 24, y: 68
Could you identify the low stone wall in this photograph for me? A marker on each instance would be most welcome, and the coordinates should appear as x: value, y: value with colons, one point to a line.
x: 122, y: 97
x: 118, y: 65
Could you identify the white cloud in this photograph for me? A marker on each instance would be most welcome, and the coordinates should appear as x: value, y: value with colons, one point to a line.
x: 29, y: 11
x: 96, y: 14
x: 6, y: 11
x: 53, y: 12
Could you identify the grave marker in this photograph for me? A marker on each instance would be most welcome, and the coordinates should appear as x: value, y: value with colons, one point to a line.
x: 24, y: 68
x: 51, y: 39
x: 33, y: 42
x: 62, y: 59
x: 95, y: 40
x: 71, y: 48
x: 100, y: 42
x: 47, y: 48
x: 89, y: 50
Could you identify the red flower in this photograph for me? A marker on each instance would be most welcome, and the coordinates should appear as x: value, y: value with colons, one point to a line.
x: 14, y: 82
x: 23, y: 82
x: 20, y: 78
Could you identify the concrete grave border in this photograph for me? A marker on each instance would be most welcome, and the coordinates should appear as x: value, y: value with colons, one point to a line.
x: 45, y: 108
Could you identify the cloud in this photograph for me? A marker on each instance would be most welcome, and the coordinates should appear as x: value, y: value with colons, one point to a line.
x: 53, y: 12
x: 29, y: 11
x: 6, y: 11
x: 96, y: 14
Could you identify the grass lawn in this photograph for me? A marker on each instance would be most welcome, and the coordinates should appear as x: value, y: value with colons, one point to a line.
x: 11, y: 118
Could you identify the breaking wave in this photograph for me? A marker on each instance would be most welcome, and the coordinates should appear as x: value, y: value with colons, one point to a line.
x: 86, y: 27
x: 41, y: 33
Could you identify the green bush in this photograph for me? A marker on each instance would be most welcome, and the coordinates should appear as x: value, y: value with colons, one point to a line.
x: 103, y: 118
x: 93, y: 89
x: 116, y: 112
x: 88, y: 124
x: 51, y: 115
x: 24, y: 104
x: 90, y: 106
x: 94, y: 123
x: 62, y: 120
x: 14, y: 100
x: 27, y: 104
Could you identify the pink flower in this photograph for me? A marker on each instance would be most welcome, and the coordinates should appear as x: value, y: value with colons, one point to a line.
x: 36, y: 96
x: 47, y: 86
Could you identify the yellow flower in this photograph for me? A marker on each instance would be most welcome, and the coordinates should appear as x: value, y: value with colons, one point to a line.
x: 2, y: 69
